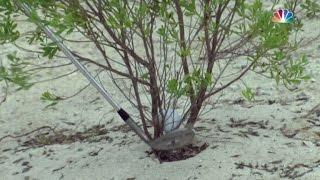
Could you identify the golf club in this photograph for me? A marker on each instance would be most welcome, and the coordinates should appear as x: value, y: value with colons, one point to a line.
x: 172, y: 140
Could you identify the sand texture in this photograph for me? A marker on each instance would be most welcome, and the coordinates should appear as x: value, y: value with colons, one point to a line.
x: 264, y: 139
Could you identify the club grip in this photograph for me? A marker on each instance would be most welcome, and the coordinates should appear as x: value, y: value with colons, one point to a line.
x: 123, y: 114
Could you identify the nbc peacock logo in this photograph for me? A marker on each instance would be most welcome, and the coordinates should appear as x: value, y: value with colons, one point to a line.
x: 283, y: 16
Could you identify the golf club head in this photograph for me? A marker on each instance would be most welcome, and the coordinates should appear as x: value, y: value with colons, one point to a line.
x: 173, y: 140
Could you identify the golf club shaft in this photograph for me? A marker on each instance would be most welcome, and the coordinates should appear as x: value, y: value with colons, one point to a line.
x: 124, y: 115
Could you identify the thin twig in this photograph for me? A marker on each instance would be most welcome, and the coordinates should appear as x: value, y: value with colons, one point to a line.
x: 28, y: 133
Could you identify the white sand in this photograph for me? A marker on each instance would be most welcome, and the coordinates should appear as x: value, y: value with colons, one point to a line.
x: 24, y: 111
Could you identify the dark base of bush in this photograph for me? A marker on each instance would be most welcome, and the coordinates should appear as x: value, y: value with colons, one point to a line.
x: 178, y: 154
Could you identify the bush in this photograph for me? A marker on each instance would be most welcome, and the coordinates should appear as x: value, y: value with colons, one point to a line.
x: 174, y: 54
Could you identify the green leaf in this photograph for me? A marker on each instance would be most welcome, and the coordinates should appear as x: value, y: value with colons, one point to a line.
x: 172, y: 86
x: 6, y: 6
x: 145, y: 76
x: 4, y: 74
x: 184, y: 52
x: 50, y: 50
x: 51, y: 98
x: 189, y: 7
x: 8, y: 32
x: 248, y: 93
x: 311, y: 7
x: 162, y: 31
x: 15, y: 73
x: 47, y: 96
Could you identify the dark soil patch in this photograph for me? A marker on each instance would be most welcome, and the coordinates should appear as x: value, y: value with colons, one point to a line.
x: 178, y: 154
x: 50, y: 137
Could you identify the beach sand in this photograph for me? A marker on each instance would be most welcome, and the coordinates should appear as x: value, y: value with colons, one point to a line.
x: 263, y: 139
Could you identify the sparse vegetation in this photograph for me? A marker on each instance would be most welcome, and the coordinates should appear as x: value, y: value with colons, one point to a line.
x: 171, y: 53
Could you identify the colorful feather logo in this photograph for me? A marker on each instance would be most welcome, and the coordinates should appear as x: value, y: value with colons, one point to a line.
x: 283, y: 16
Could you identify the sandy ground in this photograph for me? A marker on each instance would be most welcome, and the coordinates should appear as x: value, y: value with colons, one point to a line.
x: 263, y: 139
